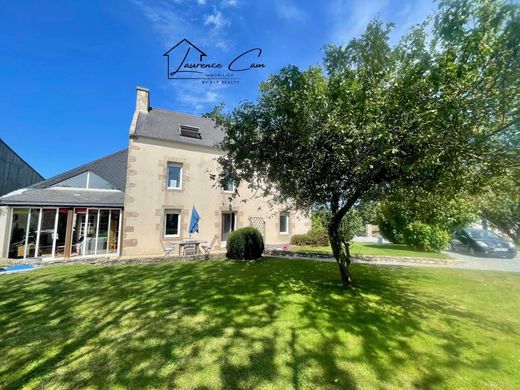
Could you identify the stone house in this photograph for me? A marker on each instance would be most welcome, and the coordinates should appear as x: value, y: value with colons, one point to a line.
x: 139, y: 200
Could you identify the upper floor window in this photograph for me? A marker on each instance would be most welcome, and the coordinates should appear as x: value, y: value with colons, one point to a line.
x: 174, y: 179
x: 190, y: 131
x: 229, y: 186
x: 85, y: 180
x: 284, y: 223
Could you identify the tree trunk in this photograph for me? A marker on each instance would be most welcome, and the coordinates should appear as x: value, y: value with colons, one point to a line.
x: 340, y: 247
x: 341, y: 252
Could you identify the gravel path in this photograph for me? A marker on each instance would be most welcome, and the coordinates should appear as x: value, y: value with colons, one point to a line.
x: 461, y: 262
x: 485, y: 263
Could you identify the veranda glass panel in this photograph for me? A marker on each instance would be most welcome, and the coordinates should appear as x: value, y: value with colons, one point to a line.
x: 18, y: 233
x: 33, y: 231
x: 90, y: 229
x: 102, y: 241
x: 61, y: 233
x: 47, y: 232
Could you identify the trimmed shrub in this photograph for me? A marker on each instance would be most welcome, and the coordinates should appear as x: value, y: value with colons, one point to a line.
x: 425, y: 237
x: 245, y: 243
x: 319, y: 237
x: 315, y: 237
x: 300, y: 239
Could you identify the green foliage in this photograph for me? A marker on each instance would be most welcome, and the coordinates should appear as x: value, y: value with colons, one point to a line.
x: 434, y: 209
x: 319, y: 219
x: 351, y: 225
x: 301, y: 239
x: 315, y: 237
x: 500, y: 205
x: 319, y: 236
x: 245, y: 243
x: 425, y: 237
x: 391, y: 223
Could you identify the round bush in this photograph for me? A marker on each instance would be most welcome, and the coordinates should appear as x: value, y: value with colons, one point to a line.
x: 245, y: 243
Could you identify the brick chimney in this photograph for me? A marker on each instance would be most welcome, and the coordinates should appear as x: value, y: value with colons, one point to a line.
x: 142, y: 103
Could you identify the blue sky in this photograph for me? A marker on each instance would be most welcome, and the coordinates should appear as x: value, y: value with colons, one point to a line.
x: 68, y: 70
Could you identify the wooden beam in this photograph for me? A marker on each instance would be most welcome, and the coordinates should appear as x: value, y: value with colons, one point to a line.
x: 68, y: 234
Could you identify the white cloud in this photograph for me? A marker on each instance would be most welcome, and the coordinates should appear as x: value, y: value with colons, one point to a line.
x: 415, y: 13
x: 173, y: 21
x: 349, y: 19
x: 164, y: 19
x: 229, y: 3
x: 217, y: 20
x: 197, y: 97
x: 290, y: 11
x: 201, y: 2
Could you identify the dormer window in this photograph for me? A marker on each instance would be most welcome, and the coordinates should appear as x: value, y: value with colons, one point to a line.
x: 190, y: 131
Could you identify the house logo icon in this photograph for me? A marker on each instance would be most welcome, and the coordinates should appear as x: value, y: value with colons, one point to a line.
x: 179, y: 55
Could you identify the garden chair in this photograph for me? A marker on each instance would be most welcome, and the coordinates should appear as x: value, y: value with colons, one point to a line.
x: 168, y: 248
x: 208, y: 248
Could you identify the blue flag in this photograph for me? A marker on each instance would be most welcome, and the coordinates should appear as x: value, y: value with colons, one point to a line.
x: 194, y: 222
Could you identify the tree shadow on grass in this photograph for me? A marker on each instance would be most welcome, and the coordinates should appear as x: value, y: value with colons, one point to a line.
x: 223, y: 324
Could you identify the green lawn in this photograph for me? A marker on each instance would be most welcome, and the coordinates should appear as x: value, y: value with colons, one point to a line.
x: 365, y: 248
x: 271, y: 324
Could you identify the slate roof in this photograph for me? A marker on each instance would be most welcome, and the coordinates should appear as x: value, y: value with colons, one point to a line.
x: 15, y: 172
x: 112, y: 168
x: 64, y: 197
x: 165, y: 125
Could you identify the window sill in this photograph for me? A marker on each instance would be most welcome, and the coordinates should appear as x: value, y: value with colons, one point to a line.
x: 174, y: 188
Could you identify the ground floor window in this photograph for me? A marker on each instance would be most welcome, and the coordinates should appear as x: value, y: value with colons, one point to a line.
x: 172, y: 223
x: 284, y: 223
x: 64, y: 232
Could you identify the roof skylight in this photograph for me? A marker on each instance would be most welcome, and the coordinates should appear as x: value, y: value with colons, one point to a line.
x: 190, y: 131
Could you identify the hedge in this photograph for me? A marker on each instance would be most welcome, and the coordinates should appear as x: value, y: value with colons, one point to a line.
x: 315, y: 237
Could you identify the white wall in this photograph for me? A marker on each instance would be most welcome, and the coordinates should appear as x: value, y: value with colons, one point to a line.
x: 5, y: 219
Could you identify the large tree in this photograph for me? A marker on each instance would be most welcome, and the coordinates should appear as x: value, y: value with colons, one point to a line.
x: 433, y: 111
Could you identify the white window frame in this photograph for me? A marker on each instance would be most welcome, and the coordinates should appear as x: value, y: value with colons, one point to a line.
x: 178, y: 165
x: 179, y: 226
x: 286, y: 215
x: 234, y: 187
